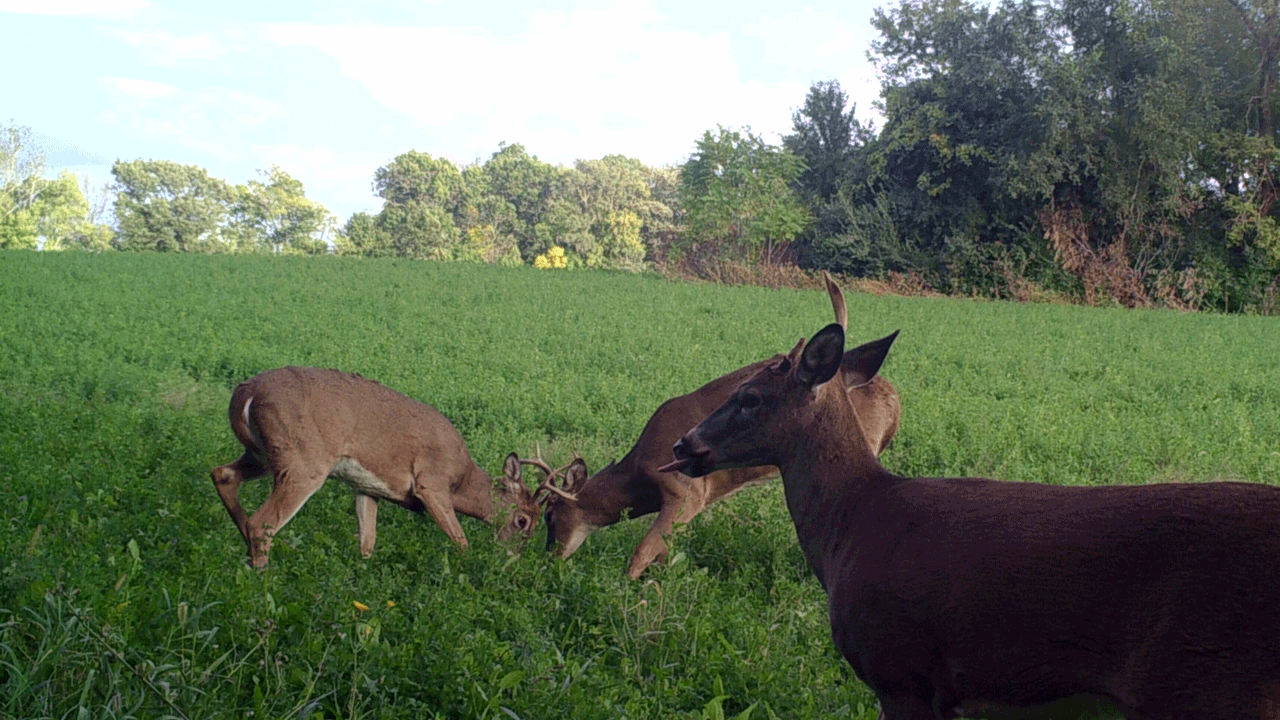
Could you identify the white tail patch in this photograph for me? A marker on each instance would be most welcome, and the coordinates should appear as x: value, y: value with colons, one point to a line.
x: 259, y: 449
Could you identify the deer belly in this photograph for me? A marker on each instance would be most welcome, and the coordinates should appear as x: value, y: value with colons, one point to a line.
x: 364, y: 481
x: 1083, y: 705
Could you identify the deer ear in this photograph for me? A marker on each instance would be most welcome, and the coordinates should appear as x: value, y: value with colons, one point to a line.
x: 576, y: 473
x: 511, y: 470
x: 862, y: 363
x: 820, y: 359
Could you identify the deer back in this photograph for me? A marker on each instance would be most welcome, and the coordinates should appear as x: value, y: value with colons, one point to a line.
x: 329, y: 414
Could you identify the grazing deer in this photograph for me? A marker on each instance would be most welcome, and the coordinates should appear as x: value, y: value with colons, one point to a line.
x: 303, y: 425
x: 964, y: 597
x: 635, y: 484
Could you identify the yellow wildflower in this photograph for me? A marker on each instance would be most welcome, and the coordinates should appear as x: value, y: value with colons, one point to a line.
x: 541, y: 262
x: 360, y: 606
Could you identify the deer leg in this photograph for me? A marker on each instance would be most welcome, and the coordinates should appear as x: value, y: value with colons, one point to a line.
x: 675, y: 508
x: 367, y: 517
x: 293, y: 486
x: 441, y: 508
x: 227, y: 480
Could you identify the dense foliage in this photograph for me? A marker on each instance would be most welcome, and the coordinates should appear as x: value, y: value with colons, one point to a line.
x: 1118, y: 152
x: 123, y: 588
x: 1121, y: 152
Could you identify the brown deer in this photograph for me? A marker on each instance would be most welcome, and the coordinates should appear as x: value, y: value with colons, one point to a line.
x: 964, y: 597
x: 635, y: 484
x: 303, y: 425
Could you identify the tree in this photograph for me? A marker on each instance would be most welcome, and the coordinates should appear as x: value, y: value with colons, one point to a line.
x: 277, y: 216
x: 418, y: 177
x: 512, y: 192
x: 21, y: 183
x: 419, y: 230
x: 1127, y: 113
x: 95, y: 234
x: 60, y: 212
x: 961, y: 96
x: 36, y: 212
x: 1242, y: 41
x: 825, y: 135
x: 165, y: 206
x: 737, y: 194
x: 364, y: 235
x: 1261, y: 21
x: 834, y: 186
x: 600, y: 210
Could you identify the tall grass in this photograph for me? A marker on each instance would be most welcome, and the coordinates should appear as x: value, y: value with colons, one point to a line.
x: 123, y: 591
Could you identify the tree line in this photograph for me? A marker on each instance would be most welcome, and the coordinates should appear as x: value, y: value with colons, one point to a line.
x: 1111, y: 151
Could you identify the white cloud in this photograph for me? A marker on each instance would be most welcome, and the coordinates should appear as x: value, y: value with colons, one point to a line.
x: 321, y: 162
x: 196, y: 106
x: 256, y: 111
x: 138, y: 88
x: 164, y: 48
x: 328, y: 173
x: 72, y: 7
x: 577, y: 72
x: 195, y: 119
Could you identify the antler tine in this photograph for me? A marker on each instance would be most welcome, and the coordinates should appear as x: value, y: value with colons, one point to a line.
x: 548, y: 483
x: 539, y: 463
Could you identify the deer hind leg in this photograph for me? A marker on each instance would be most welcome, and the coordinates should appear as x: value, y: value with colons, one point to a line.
x: 294, y: 485
x: 227, y: 480
x: 653, y: 548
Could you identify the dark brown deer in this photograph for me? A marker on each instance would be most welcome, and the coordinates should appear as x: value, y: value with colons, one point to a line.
x: 636, y: 485
x: 964, y: 597
x: 303, y: 425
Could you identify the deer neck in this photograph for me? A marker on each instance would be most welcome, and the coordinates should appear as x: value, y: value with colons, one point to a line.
x: 476, y: 494
x: 828, y: 474
x: 604, y: 496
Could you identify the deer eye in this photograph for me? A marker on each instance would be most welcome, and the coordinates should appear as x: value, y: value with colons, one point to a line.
x: 750, y: 401
x: 522, y: 522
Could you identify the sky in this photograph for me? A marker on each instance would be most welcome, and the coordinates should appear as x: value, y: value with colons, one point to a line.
x: 331, y: 91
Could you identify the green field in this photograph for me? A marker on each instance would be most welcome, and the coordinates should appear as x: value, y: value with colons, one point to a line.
x: 123, y: 587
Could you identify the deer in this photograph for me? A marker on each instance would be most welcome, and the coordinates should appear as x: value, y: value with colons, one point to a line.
x: 636, y: 485
x: 304, y: 425
x: 971, y: 597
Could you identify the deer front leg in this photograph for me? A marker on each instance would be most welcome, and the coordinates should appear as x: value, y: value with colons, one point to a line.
x: 367, y: 518
x: 678, y: 506
x: 441, y: 508
x: 227, y: 480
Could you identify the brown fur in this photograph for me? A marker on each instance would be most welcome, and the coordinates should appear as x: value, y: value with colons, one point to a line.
x: 957, y: 597
x: 305, y: 424
x: 635, y: 484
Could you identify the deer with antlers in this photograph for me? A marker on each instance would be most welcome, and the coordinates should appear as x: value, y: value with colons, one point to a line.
x: 303, y: 425
x: 579, y: 504
x: 967, y: 597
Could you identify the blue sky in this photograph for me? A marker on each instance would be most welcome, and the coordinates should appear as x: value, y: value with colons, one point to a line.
x: 330, y: 91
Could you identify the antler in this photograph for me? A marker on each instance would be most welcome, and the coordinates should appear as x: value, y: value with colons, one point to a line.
x: 548, y: 483
x: 837, y: 300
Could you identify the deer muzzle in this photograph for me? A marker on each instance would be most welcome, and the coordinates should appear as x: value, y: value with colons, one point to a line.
x: 691, y: 458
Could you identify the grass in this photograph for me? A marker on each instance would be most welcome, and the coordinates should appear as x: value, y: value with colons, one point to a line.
x: 123, y: 591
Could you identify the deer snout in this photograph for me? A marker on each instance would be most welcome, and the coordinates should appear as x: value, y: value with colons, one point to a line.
x: 689, y: 456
